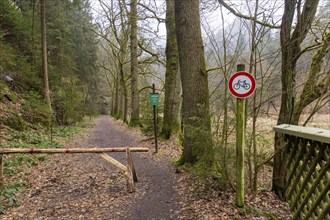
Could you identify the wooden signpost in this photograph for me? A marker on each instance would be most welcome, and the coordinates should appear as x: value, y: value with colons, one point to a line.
x: 241, y: 85
x: 154, y: 100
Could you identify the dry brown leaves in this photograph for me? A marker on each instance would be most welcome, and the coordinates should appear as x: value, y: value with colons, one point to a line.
x: 202, y: 199
x: 86, y: 187
x: 73, y: 186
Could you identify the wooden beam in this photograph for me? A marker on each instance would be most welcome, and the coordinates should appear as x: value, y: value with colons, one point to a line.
x: 70, y: 150
x: 113, y: 161
x: 316, y: 134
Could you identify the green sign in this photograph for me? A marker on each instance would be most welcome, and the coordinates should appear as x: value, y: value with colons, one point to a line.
x: 154, y: 99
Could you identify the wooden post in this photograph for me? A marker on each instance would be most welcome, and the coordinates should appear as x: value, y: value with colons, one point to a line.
x: 1, y: 172
x: 240, y: 145
x: 155, y: 120
x: 131, y: 165
x: 129, y: 173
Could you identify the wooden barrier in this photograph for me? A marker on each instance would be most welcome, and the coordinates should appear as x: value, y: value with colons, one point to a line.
x: 70, y: 150
x: 307, y: 171
x: 129, y: 169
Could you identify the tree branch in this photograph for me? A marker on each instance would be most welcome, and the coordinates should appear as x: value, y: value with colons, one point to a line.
x: 238, y: 14
x: 160, y: 20
x: 151, y: 53
x: 213, y: 69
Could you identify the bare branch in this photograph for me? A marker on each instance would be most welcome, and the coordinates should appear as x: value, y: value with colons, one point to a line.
x: 152, y: 54
x: 160, y: 20
x: 238, y: 14
x: 213, y: 69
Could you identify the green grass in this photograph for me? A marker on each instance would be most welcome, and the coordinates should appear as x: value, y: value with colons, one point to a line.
x: 66, y: 132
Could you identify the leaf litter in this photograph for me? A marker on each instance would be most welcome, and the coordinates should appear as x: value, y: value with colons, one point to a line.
x: 84, y: 186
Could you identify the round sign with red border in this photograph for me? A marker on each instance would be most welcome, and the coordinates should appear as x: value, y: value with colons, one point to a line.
x: 242, y: 84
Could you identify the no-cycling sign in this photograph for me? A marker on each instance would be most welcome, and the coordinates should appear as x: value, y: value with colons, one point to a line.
x: 242, y: 84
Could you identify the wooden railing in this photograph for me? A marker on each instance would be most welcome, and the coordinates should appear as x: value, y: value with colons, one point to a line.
x: 308, y: 175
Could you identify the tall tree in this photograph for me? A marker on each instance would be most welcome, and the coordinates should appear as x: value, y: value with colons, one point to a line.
x: 135, y: 115
x: 318, y: 79
x: 291, y: 107
x: 116, y: 33
x: 197, y: 140
x: 44, y: 52
x: 68, y: 52
x: 172, y: 101
x: 296, y: 23
x: 72, y: 59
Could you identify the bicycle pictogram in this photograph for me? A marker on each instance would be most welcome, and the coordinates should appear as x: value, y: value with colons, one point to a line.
x: 243, y: 84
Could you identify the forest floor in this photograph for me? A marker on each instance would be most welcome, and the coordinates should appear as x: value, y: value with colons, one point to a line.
x: 85, y: 186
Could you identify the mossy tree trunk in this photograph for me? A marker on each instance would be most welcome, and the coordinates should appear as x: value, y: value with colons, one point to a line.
x: 240, y: 147
x: 197, y: 138
x: 316, y: 85
x: 172, y: 102
x: 291, y: 41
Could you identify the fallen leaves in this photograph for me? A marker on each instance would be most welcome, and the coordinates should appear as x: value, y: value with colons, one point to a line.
x: 84, y: 186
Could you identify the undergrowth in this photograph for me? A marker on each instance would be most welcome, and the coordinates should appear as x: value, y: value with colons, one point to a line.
x: 8, y: 195
x: 14, y: 164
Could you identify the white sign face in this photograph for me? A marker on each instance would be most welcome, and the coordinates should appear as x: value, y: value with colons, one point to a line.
x: 242, y: 84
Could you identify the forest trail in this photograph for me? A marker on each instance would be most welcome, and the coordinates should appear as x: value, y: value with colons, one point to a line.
x: 85, y: 186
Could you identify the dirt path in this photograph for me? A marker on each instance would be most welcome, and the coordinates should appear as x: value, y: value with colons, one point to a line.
x: 84, y: 186
x: 156, y: 179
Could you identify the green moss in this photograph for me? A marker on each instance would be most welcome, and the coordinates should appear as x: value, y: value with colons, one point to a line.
x: 13, y: 97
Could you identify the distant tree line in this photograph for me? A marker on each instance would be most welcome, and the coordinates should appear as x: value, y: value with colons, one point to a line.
x: 287, y: 53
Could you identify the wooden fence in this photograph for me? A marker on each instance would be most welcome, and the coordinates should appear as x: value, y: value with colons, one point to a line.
x: 307, y: 176
x: 129, y: 169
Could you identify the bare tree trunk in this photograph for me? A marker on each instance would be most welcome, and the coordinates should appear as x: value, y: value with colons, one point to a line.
x: 197, y: 140
x: 291, y: 51
x: 172, y: 102
x: 121, y: 103
x: 135, y: 115
x: 34, y: 52
x: 44, y: 53
x: 117, y: 95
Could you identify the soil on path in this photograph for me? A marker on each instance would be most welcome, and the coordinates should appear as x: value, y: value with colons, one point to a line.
x: 84, y: 186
